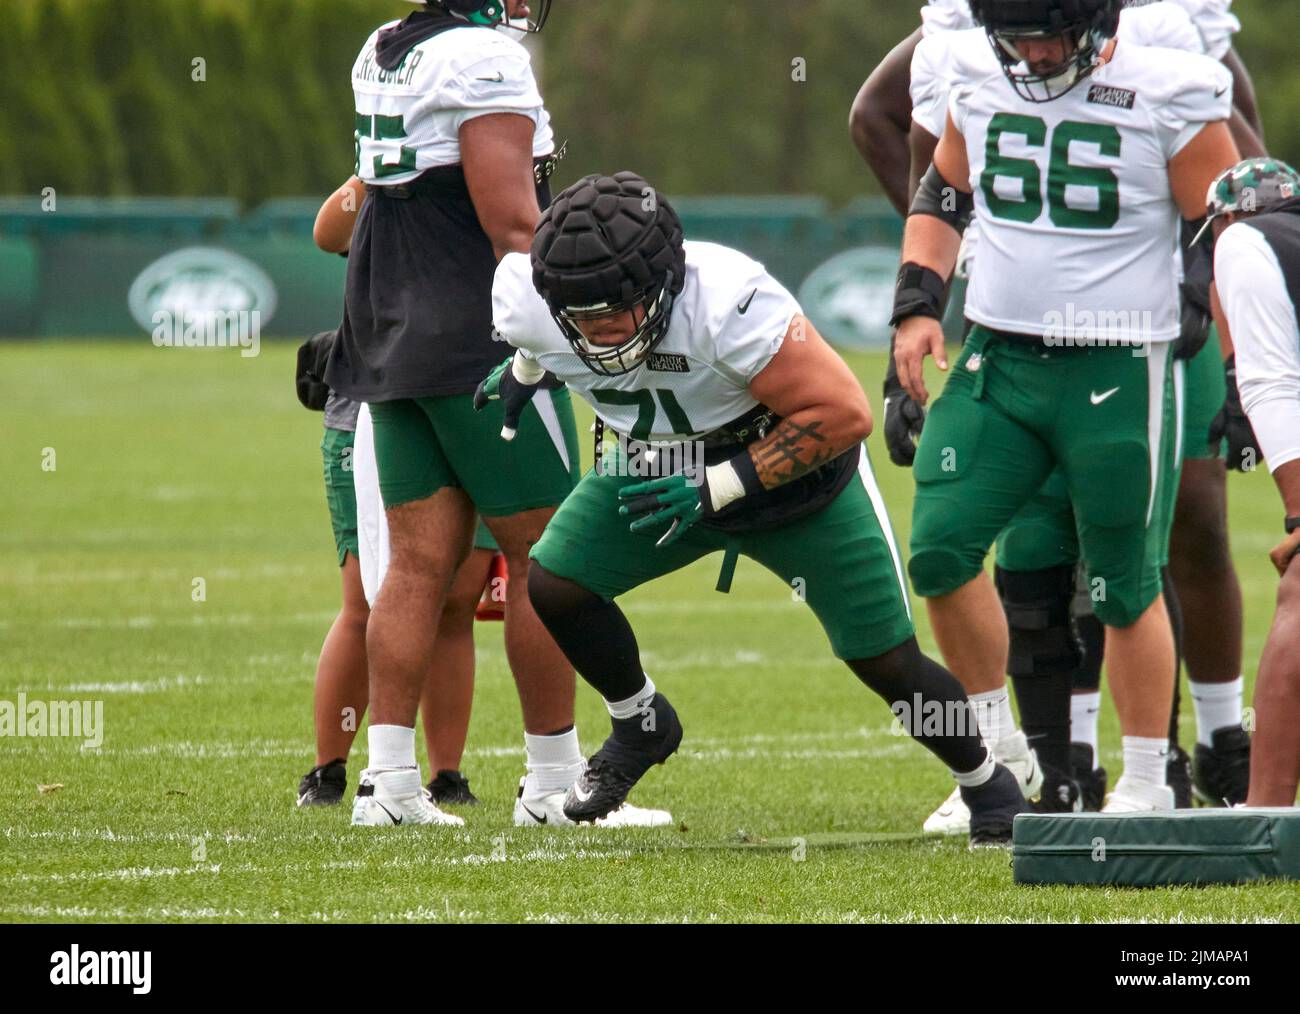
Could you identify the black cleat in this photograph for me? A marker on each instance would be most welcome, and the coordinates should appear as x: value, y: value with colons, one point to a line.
x: 451, y: 788
x: 1221, y: 772
x: 324, y: 785
x: 635, y: 746
x: 1091, y: 780
x: 1178, y: 776
x: 1060, y: 794
x: 993, y: 806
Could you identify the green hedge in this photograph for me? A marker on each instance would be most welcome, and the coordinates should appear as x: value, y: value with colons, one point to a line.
x: 98, y: 96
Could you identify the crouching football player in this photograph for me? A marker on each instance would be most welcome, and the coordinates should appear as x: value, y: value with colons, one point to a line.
x: 691, y: 347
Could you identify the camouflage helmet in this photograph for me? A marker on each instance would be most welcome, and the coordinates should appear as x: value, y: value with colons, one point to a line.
x: 1249, y: 187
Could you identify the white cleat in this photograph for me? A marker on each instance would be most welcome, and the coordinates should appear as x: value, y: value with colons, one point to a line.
x: 1132, y: 796
x: 952, y: 816
x: 394, y: 797
x: 547, y: 810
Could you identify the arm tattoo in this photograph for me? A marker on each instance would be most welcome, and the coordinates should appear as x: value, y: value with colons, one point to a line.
x: 790, y: 451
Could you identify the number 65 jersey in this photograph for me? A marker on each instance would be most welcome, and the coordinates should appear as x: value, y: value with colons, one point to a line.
x: 727, y: 323
x: 1077, y: 221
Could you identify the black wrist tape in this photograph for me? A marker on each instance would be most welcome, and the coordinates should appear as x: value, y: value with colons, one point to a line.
x: 919, y: 292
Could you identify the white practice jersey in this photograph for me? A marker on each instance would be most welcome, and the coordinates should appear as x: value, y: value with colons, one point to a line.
x: 1077, y: 223
x: 945, y: 57
x: 728, y: 322
x: 1265, y: 336
x: 1214, y: 22
x: 409, y: 119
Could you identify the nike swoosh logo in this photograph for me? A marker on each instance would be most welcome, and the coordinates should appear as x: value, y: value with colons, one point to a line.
x: 1097, y: 399
x: 744, y: 307
x: 540, y: 820
x: 582, y: 796
x: 1220, y: 92
x: 391, y: 816
x: 495, y: 80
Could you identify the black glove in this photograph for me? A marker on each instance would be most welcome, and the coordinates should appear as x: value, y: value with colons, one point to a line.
x: 309, y: 378
x: 1231, y: 422
x: 903, y: 420
x: 1194, y: 324
x: 1194, y: 293
x: 514, y: 394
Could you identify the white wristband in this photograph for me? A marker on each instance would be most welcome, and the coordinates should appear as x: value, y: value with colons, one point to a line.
x: 527, y: 371
x: 724, y: 485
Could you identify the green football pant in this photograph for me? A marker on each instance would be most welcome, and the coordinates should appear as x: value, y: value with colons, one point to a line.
x: 1009, y: 415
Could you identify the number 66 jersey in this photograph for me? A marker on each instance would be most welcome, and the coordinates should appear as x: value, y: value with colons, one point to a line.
x: 1077, y: 221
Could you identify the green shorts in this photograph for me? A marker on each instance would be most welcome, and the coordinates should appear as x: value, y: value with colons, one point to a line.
x: 843, y: 558
x: 424, y: 444
x: 1204, y: 391
x: 1008, y: 417
x: 340, y: 494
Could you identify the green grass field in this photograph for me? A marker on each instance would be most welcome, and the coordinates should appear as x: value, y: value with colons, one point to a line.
x: 173, y: 465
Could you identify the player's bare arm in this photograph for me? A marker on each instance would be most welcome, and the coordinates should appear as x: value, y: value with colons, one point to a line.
x: 1243, y: 94
x: 881, y: 117
x: 1221, y: 322
x: 1287, y: 478
x: 824, y: 409
x: 1250, y: 144
x: 931, y: 243
x: 1195, y: 167
x: 921, y: 145
x: 497, y: 155
x: 333, y: 229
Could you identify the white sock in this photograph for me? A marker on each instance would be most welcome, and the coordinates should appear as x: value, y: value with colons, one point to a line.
x: 391, y: 746
x: 634, y: 705
x: 553, y: 762
x: 1145, y: 760
x: 980, y: 775
x: 1085, y: 709
x: 1218, y: 705
x: 993, y: 714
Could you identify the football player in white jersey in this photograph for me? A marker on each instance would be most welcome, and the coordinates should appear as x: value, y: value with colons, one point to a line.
x: 1036, y: 553
x: 1080, y: 150
x: 880, y: 119
x: 739, y: 430
x: 455, y: 147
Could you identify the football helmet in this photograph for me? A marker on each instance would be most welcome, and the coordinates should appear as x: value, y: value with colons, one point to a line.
x: 493, y: 12
x: 1084, y: 25
x: 610, y: 244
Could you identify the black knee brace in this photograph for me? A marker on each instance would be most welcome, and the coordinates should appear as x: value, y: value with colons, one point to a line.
x: 1037, y: 604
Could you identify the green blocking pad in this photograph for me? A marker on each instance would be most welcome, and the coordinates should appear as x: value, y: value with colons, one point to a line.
x: 1151, y: 850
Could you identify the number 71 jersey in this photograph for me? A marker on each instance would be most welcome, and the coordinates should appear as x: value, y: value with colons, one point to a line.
x: 1077, y: 220
x: 729, y: 320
